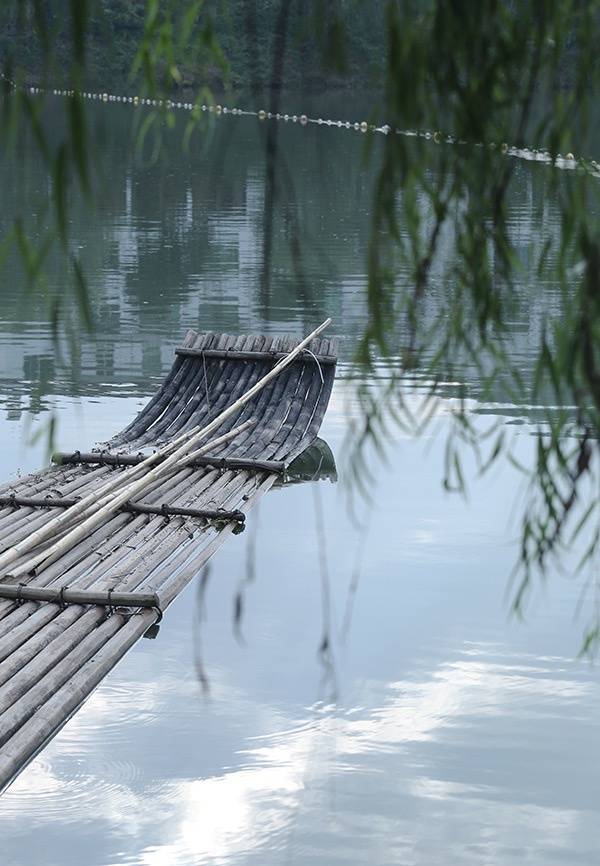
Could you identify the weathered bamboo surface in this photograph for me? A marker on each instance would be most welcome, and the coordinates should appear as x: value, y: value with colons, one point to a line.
x: 56, y: 642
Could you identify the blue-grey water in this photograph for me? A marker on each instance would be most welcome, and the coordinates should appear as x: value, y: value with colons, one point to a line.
x: 440, y: 729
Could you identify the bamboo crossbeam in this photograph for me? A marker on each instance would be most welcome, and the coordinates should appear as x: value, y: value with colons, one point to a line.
x: 106, y: 598
x: 236, y: 516
x: 15, y: 501
x: 236, y: 355
x: 105, y: 458
x: 132, y: 507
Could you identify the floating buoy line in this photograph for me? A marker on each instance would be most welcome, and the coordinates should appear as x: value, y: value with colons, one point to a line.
x: 566, y: 162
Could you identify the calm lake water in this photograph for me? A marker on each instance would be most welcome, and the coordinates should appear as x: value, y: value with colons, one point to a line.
x: 441, y: 730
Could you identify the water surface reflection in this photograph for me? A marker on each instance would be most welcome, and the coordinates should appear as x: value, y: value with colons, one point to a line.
x: 458, y: 734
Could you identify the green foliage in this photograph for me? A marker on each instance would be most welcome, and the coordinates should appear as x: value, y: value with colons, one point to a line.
x: 489, y: 75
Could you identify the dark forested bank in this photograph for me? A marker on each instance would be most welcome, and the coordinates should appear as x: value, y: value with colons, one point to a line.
x: 241, y: 43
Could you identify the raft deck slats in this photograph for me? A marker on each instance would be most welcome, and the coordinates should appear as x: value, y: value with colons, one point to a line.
x: 51, y: 658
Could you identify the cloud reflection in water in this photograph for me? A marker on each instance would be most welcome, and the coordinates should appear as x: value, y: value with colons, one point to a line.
x: 337, y: 785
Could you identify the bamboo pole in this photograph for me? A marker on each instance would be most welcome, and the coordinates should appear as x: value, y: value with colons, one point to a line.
x: 94, y: 496
x: 112, y: 500
x: 82, y: 509
x: 79, y: 596
x: 62, y: 694
x: 93, y: 519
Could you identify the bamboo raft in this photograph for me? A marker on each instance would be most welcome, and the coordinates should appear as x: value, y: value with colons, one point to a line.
x: 73, y: 603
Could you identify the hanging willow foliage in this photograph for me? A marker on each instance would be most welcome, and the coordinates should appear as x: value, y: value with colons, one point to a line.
x: 490, y: 76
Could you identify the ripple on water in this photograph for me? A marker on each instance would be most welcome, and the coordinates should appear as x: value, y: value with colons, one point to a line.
x: 71, y: 791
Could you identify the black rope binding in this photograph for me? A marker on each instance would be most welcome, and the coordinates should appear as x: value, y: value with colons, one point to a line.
x: 110, y: 606
x: 62, y: 602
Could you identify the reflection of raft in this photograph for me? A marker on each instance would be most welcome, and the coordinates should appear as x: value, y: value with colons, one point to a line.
x: 64, y: 626
x: 316, y: 463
